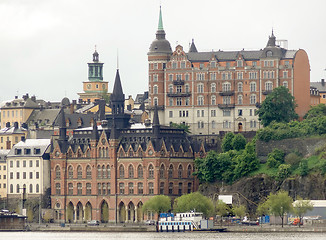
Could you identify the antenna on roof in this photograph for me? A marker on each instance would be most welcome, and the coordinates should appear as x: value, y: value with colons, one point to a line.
x: 117, y: 58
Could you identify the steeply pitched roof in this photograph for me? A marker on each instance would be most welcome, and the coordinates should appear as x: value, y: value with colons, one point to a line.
x: 117, y: 93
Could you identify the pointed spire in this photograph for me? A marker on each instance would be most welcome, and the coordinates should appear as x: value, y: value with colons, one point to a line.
x: 160, y: 21
x: 156, y: 123
x: 62, y: 125
x: 95, y: 131
x: 193, y: 47
x: 156, y: 120
x: 117, y: 93
x: 272, y: 40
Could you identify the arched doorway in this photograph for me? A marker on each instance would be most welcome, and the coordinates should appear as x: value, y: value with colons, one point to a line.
x: 104, y: 212
x: 140, y: 216
x: 79, y: 212
x: 122, y: 212
x: 70, y: 213
x: 88, y: 211
x: 131, y: 212
x: 240, y: 127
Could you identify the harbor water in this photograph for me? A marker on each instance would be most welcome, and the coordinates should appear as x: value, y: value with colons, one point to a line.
x: 154, y: 235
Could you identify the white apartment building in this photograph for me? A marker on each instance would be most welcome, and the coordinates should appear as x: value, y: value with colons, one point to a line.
x: 28, y: 166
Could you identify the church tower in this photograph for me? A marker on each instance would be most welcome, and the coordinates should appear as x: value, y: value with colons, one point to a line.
x: 95, y: 87
x: 159, y: 54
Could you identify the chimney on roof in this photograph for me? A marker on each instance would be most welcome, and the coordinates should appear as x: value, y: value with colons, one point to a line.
x: 22, y: 138
x: 16, y: 97
x: 33, y: 98
x: 8, y: 124
x: 323, y: 82
x: 16, y: 125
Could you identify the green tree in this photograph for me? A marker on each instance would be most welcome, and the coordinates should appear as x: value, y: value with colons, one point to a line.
x: 227, y: 142
x: 278, y: 106
x: 303, y: 167
x: 284, y: 171
x: 275, y: 158
x: 185, y: 127
x: 238, y: 142
x: 300, y: 207
x: 278, y: 204
x: 158, y: 204
x: 239, y: 211
x: 194, y: 202
x: 316, y: 111
x: 222, y: 209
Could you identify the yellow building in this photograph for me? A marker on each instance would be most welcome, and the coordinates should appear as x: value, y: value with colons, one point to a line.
x: 3, y: 175
x: 17, y: 110
x: 9, y: 136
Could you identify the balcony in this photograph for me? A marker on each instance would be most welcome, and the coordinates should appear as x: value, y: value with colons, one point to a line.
x: 159, y: 107
x: 266, y: 92
x: 226, y: 93
x: 225, y: 106
x: 178, y: 82
x: 180, y: 94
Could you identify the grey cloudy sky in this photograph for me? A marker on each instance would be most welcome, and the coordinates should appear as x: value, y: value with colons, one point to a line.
x: 45, y: 45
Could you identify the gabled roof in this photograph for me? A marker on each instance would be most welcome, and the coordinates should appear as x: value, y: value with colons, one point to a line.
x: 42, y: 144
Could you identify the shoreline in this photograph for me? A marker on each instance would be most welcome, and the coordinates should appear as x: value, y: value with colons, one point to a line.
x: 151, y: 228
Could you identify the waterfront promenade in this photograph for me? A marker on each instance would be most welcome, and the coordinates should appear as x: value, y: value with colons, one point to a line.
x: 150, y: 228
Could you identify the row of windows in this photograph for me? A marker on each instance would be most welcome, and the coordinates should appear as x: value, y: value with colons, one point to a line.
x: 24, y: 163
x: 4, y: 167
x: 225, y: 124
x: 28, y: 190
x: 13, y: 112
x: 105, y: 172
x: 3, y: 186
x: 105, y: 188
x: 24, y: 175
x: 201, y: 113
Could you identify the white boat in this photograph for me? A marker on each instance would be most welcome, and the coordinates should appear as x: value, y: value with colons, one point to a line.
x: 187, y: 221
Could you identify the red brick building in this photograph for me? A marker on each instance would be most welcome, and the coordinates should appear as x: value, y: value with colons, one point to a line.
x: 220, y: 90
x: 108, y: 171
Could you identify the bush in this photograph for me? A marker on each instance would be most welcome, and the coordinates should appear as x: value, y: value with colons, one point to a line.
x: 303, y: 168
x: 293, y: 159
x: 283, y: 171
x: 227, y: 142
x: 238, y: 142
x: 275, y: 158
x: 323, y: 166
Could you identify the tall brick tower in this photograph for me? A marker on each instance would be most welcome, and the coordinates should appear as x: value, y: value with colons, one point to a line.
x: 159, y: 54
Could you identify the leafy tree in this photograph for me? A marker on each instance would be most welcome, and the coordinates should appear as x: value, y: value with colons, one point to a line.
x: 316, y: 111
x: 303, y: 168
x: 275, y: 158
x: 194, y: 201
x: 213, y: 166
x: 240, y: 211
x: 246, y: 162
x: 222, y: 209
x: 284, y: 171
x: 238, y: 142
x: 158, y: 204
x: 262, y: 209
x: 323, y: 166
x: 227, y: 142
x: 300, y: 207
x: 185, y: 127
x: 278, y: 204
x: 278, y: 106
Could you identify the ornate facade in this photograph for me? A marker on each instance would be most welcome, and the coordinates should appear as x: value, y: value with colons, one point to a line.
x: 106, y: 172
x: 221, y: 90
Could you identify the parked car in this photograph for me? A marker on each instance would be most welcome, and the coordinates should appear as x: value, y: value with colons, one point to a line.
x: 150, y: 222
x: 93, y: 223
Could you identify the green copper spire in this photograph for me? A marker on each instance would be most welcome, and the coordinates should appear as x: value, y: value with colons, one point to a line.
x: 160, y: 22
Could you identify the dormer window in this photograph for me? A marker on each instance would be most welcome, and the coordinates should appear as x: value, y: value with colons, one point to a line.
x: 27, y: 151
x: 37, y: 151
x: 239, y: 63
x: 18, y: 151
x: 269, y: 53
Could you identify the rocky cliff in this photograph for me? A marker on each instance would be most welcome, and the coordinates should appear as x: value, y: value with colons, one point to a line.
x: 251, y: 190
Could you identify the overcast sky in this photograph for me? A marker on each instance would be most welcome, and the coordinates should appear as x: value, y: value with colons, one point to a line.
x: 45, y: 45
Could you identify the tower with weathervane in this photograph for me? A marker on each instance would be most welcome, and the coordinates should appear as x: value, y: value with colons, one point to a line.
x: 95, y: 87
